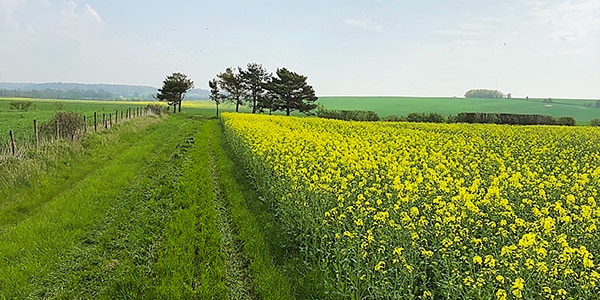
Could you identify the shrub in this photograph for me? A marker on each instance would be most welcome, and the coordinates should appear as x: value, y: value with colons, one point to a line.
x: 595, y: 122
x: 156, y: 109
x: 347, y: 115
x: 20, y: 105
x: 394, y: 119
x: 423, y: 117
x: 70, y: 124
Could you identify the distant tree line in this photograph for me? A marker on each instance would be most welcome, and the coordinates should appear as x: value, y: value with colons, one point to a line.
x: 483, y: 93
x: 347, y: 115
x: 72, y: 94
x: 484, y: 118
x: 262, y: 91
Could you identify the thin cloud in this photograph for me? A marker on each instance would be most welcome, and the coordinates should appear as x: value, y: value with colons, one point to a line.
x: 364, y: 24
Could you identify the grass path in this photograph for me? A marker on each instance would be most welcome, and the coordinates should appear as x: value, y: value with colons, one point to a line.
x: 151, y: 210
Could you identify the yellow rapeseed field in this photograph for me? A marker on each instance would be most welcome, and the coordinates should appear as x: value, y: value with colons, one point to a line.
x: 406, y: 210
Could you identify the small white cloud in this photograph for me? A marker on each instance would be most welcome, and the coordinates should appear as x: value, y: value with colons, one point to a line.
x: 91, y: 12
x: 364, y: 24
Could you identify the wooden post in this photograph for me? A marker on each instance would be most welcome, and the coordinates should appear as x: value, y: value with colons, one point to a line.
x: 57, y: 130
x: 121, y: 115
x: 104, y: 121
x: 129, y: 112
x: 110, y: 119
x: 95, y: 123
x: 116, y: 116
x: 35, y: 133
x: 84, y: 124
x: 12, y: 142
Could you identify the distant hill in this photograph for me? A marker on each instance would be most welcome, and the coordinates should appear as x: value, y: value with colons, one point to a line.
x: 61, y: 90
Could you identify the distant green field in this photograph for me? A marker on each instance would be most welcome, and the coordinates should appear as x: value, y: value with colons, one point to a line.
x: 21, y: 122
x: 582, y: 110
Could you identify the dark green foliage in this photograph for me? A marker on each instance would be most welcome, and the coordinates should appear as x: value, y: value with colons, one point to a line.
x: 20, y: 105
x: 254, y: 78
x: 394, y: 119
x: 595, y: 122
x: 231, y: 82
x: 513, y: 119
x: 347, y: 115
x: 68, y: 124
x: 174, y: 88
x: 291, y: 92
x: 215, y: 93
x: 156, y: 109
x: 566, y: 121
x: 483, y: 93
x: 598, y: 104
x: 426, y: 117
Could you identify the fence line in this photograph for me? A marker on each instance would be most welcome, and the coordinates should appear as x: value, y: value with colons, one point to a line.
x: 58, y: 128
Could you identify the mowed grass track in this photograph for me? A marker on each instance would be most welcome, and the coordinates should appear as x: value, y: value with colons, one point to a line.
x: 153, y: 209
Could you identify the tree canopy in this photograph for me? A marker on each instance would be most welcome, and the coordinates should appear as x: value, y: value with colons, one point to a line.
x: 231, y: 82
x: 483, y: 93
x: 286, y: 91
x: 215, y: 93
x: 174, y: 88
x: 254, y: 79
x: 291, y: 92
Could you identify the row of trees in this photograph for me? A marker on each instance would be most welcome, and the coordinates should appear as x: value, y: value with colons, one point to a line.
x: 483, y: 93
x: 58, y: 94
x: 285, y: 91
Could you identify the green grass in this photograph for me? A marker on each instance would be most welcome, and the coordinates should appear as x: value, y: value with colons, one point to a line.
x: 137, y: 212
x: 582, y: 110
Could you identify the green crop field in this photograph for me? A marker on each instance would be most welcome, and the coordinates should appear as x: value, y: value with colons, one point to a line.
x: 582, y: 110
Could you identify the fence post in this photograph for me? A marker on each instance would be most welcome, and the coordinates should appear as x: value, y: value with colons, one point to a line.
x: 104, y: 121
x: 35, y: 133
x: 84, y: 124
x: 57, y: 130
x: 110, y: 119
x: 95, y: 123
x: 116, y: 116
x: 12, y: 142
x: 121, y: 115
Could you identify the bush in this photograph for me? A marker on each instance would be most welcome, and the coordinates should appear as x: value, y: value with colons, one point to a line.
x: 70, y: 124
x: 20, y: 105
x: 394, y: 119
x: 347, y: 115
x: 513, y: 119
x: 595, y: 122
x: 156, y: 109
x: 423, y: 117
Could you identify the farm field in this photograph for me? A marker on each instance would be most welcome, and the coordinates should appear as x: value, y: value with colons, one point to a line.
x: 582, y: 110
x: 442, y: 211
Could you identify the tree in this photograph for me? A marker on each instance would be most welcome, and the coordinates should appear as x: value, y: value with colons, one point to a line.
x: 231, y: 82
x: 254, y: 80
x: 215, y: 93
x: 291, y: 92
x: 174, y: 88
x: 483, y: 93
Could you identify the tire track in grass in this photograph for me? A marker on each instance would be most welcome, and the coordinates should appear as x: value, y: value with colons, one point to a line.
x: 253, y: 259
x: 238, y: 278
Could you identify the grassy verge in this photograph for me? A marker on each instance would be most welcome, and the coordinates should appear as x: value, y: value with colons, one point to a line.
x: 257, y: 228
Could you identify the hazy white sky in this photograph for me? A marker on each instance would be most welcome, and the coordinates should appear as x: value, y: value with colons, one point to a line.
x: 345, y: 47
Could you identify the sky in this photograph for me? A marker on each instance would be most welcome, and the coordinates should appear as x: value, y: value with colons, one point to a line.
x: 345, y: 47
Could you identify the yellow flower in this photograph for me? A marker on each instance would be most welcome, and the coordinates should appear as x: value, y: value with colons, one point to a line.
x: 501, y: 294
x: 477, y: 260
x: 380, y: 266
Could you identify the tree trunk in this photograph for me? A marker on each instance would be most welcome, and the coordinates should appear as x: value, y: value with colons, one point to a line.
x: 179, y: 106
x: 217, y: 110
x: 237, y: 104
x: 174, y: 107
x: 287, y: 111
x: 254, y: 105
